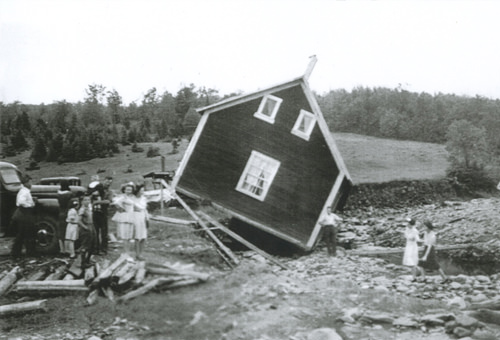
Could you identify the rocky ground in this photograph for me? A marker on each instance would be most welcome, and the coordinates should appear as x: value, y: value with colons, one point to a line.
x: 319, y: 297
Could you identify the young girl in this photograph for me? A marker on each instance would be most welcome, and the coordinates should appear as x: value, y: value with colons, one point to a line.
x: 86, y: 231
x: 124, y: 216
x: 410, y: 257
x: 71, y: 229
x: 140, y: 221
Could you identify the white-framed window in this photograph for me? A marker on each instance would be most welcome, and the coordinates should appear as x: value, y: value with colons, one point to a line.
x: 268, y: 108
x: 304, y: 125
x: 258, y: 175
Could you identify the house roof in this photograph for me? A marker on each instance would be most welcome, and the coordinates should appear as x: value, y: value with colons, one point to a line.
x: 302, y: 80
x: 249, y: 96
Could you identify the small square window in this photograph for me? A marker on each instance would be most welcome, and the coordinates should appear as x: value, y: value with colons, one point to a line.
x: 304, y: 125
x: 258, y: 175
x: 268, y: 108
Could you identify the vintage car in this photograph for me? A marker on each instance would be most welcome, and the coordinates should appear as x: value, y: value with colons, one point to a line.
x: 46, y: 208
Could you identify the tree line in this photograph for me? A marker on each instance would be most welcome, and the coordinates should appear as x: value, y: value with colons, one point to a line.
x: 468, y: 126
x: 72, y: 132
x: 69, y: 132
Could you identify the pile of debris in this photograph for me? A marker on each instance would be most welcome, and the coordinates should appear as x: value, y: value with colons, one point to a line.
x: 120, y: 281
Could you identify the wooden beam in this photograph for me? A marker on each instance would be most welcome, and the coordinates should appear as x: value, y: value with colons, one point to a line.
x: 8, y: 280
x: 172, y: 271
x: 51, y: 286
x: 221, y: 245
x: 241, y: 240
x: 22, y: 307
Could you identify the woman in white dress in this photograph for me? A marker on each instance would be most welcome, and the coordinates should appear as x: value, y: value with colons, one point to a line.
x: 124, y: 216
x: 140, y: 221
x: 410, y: 257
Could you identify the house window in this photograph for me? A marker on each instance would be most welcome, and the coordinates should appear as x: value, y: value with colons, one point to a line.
x: 258, y: 175
x: 304, y: 125
x: 268, y: 108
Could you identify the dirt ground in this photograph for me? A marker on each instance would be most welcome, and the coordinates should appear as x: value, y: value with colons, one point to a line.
x: 254, y: 300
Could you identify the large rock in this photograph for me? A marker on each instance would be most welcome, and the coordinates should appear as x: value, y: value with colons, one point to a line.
x: 324, y: 334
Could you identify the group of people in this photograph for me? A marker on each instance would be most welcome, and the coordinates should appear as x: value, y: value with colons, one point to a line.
x: 83, y: 219
x: 429, y: 259
x: 86, y: 219
x: 330, y: 225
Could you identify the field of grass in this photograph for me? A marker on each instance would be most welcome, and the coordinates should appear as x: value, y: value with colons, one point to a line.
x: 378, y: 160
x: 368, y: 160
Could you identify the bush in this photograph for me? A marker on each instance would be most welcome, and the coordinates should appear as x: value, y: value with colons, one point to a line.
x: 136, y: 148
x: 471, y: 179
x: 153, y: 152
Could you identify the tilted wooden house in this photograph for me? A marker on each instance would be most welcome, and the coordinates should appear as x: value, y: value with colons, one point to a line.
x: 268, y: 159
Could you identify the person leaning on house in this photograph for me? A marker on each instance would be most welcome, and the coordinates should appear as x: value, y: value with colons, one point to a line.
x: 23, y: 220
x: 329, y: 223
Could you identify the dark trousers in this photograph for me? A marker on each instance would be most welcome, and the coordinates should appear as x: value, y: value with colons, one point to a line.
x: 101, y: 228
x: 23, y: 222
x: 330, y: 235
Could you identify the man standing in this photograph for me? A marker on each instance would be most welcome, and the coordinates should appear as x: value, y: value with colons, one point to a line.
x: 330, y: 225
x: 23, y: 220
x: 101, y: 198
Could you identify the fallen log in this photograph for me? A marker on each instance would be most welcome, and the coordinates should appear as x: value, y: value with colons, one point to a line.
x: 128, y: 275
x: 140, y: 273
x: 68, y: 276
x: 22, y: 307
x: 144, y: 289
x: 52, y: 286
x: 218, y: 242
x: 76, y: 268
x: 2, y: 274
x: 57, y: 274
x: 494, y: 305
x: 8, y: 280
x: 89, y: 274
x: 92, y: 298
x: 117, y: 274
x: 108, y: 292
x: 36, y: 276
x: 181, y: 283
x: 172, y: 271
x: 241, y: 239
x: 106, y: 273
x: 171, y: 220
x: 487, y: 316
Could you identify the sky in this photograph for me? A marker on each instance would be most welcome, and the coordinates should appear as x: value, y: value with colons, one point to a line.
x: 53, y: 50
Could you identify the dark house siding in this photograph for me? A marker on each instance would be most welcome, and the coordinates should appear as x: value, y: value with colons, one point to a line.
x: 303, y: 182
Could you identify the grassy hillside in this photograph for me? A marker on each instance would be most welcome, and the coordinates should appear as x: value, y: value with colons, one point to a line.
x: 368, y: 159
x: 377, y: 160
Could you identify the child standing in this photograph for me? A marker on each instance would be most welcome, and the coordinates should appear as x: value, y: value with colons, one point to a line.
x: 86, y: 231
x: 71, y: 229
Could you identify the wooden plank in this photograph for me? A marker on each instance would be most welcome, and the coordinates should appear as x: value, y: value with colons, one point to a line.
x: 388, y: 251
x: 57, y: 274
x: 207, y: 230
x: 22, y: 307
x: 141, y: 273
x: 8, y: 280
x: 172, y: 271
x: 106, y: 273
x: 54, y: 286
x: 241, y: 240
x: 171, y: 220
x: 144, y: 289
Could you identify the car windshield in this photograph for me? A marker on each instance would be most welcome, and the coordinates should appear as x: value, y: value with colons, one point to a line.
x: 10, y: 176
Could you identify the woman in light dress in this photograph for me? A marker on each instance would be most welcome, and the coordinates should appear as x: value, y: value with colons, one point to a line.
x: 124, y: 216
x: 141, y: 218
x: 410, y: 257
